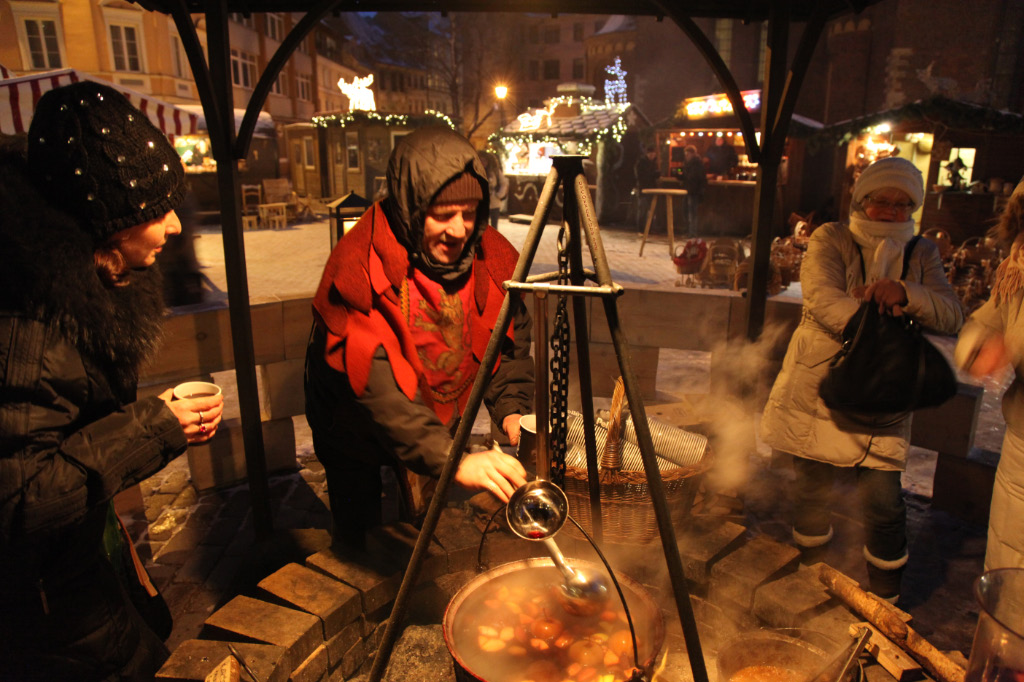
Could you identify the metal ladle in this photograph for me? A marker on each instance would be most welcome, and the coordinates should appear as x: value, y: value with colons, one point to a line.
x: 537, y: 511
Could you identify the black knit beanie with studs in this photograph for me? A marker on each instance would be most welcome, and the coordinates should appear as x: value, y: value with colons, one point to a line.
x: 100, y: 159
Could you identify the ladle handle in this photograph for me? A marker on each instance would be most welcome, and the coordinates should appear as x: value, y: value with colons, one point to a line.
x: 858, y: 646
x: 559, y: 559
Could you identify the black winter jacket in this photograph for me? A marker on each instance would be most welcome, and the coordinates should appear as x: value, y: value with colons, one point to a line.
x: 72, y: 434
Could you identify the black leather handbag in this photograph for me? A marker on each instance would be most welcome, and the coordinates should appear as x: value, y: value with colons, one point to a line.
x: 886, y: 365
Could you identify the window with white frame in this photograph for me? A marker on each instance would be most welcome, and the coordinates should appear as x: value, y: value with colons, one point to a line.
x: 243, y: 69
x: 124, y: 47
x: 723, y: 39
x: 308, y: 152
x: 179, y: 61
x: 303, y: 82
x: 275, y: 26
x: 352, y: 150
x: 124, y: 31
x: 40, y: 34
x: 280, y: 86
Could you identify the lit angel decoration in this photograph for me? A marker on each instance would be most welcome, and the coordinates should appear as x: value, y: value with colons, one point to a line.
x: 360, y: 96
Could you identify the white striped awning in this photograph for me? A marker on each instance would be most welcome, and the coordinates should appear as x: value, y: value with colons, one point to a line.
x: 18, y: 98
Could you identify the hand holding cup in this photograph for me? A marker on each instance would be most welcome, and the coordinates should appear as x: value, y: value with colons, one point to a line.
x: 198, y: 405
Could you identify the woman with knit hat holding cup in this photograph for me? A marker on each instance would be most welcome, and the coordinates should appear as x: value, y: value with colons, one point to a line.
x: 846, y: 264
x: 87, y: 205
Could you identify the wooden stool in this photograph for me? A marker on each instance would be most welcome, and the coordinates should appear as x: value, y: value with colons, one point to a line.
x: 657, y: 194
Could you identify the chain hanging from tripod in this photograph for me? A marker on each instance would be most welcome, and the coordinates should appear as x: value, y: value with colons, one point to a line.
x: 559, y: 419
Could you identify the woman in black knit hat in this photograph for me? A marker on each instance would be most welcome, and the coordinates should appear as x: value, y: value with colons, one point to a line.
x: 86, y: 204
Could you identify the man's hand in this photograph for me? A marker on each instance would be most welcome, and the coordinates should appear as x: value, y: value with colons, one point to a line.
x: 493, y: 471
x: 510, y: 425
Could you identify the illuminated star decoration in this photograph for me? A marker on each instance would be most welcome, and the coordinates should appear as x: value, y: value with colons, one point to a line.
x: 615, y: 90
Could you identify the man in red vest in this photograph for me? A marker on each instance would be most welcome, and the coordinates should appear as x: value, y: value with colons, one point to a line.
x: 402, y: 316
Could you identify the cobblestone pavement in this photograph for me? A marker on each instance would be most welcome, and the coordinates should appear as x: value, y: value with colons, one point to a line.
x: 201, y: 550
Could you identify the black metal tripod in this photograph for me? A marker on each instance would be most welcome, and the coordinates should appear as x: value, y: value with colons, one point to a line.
x: 567, y: 172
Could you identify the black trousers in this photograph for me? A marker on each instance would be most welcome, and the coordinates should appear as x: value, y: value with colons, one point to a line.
x: 880, y: 496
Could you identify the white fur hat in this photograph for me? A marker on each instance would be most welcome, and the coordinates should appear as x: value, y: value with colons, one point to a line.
x: 890, y: 172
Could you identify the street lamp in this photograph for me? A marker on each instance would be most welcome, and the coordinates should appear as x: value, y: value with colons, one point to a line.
x: 501, y: 92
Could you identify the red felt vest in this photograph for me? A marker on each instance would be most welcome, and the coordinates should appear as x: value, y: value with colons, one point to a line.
x: 359, y: 301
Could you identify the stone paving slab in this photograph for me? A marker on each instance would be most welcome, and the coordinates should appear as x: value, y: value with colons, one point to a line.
x: 790, y: 600
x: 376, y: 580
x: 297, y: 632
x: 334, y: 603
x: 193, y: 660
x: 736, y: 577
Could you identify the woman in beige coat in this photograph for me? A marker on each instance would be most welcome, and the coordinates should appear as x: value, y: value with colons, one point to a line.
x: 993, y: 336
x: 847, y: 263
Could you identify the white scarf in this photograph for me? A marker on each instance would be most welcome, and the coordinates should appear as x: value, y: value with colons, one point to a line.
x: 1010, y: 273
x: 885, y: 242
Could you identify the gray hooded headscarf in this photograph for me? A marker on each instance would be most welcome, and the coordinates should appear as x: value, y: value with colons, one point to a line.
x: 422, y: 163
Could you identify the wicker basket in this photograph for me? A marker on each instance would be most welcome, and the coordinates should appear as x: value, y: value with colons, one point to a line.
x: 626, y: 507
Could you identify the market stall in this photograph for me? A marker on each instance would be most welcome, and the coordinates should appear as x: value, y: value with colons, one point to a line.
x: 19, y: 94
x: 341, y: 152
x: 710, y: 124
x: 196, y: 154
x: 605, y: 133
x: 969, y: 156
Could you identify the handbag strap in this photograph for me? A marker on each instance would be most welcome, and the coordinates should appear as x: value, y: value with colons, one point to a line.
x: 907, y: 250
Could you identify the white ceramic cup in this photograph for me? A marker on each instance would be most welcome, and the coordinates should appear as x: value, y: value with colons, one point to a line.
x: 196, y: 389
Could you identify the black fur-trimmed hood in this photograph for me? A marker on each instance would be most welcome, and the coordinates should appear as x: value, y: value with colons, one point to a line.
x: 47, y: 274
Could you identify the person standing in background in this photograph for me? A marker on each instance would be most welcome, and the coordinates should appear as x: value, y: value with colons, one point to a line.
x: 694, y: 180
x: 847, y: 264
x: 992, y: 338
x: 497, y: 184
x: 646, y: 172
x: 721, y: 157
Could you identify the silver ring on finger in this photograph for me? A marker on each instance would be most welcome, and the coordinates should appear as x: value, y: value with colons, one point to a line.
x: 200, y: 416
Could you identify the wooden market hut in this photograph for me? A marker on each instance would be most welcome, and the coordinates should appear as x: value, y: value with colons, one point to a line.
x: 933, y: 133
x: 608, y: 135
x: 341, y: 152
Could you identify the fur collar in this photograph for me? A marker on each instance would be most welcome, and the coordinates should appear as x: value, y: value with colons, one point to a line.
x: 47, y: 274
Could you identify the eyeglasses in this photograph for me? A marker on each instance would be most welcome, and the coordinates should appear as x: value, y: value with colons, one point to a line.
x: 900, y: 206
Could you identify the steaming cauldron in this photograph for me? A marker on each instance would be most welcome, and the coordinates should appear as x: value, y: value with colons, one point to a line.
x: 506, y: 625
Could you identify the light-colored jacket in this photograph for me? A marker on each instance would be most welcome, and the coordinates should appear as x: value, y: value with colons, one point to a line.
x: 795, y: 418
x: 1005, y: 530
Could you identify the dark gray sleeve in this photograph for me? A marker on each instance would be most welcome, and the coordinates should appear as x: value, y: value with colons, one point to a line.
x: 512, y: 386
x: 407, y: 428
